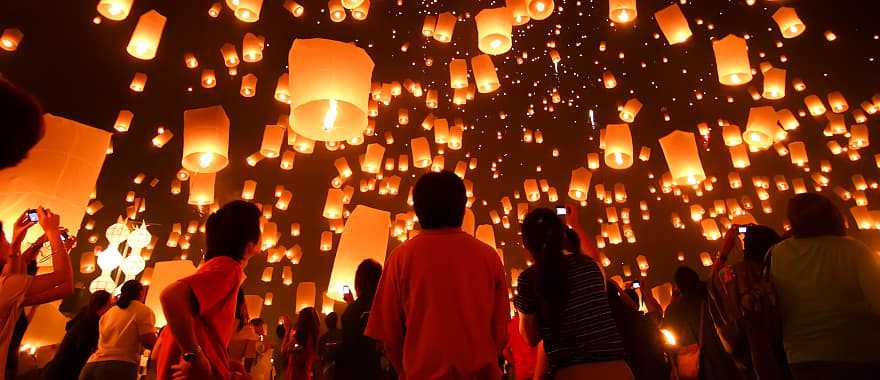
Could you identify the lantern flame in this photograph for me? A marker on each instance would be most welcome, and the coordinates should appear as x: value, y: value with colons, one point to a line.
x: 330, y: 116
x: 206, y: 159
x: 669, y: 337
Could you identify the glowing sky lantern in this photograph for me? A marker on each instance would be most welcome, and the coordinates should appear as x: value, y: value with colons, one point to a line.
x: 458, y: 73
x: 373, y: 158
x: 116, y: 10
x: 774, y: 84
x: 252, y: 47
x: 673, y: 24
x: 814, y: 105
x: 230, y: 55
x: 486, y: 234
x: 630, y: 109
x: 428, y: 25
x: 533, y: 193
x: 365, y: 237
x: 519, y: 11
x: 248, y: 86
x: 540, y: 9
x: 273, y: 136
x: 680, y: 150
x: 494, y: 29
x: 761, y: 128
x: 294, y: 8
x: 333, y: 204
x: 248, y: 10
x: 201, y: 189
x: 618, y: 146
x: 147, y: 33
x: 622, y: 11
x: 445, y: 27
x: 789, y: 23
x: 731, y: 134
x: 421, y: 152
x: 352, y: 4
x: 305, y: 295
x: 798, y: 153
x: 837, y: 102
x: 732, y: 60
x: 858, y: 136
x: 205, y: 139
x: 484, y: 74
x: 282, y: 89
x: 336, y: 10
x: 361, y: 12
x: 329, y: 87
x: 579, y: 185
x: 10, y: 39
x: 739, y: 156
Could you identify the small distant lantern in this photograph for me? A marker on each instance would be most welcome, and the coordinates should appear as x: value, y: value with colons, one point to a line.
x: 789, y: 23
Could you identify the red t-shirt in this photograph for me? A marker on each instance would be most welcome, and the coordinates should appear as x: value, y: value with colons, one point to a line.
x: 524, y: 356
x: 441, y: 308
x: 215, y: 285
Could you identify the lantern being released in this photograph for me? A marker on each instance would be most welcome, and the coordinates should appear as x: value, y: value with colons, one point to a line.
x: 622, y: 11
x: 205, y: 139
x: 673, y: 24
x: 116, y: 10
x: 147, y: 33
x: 494, y: 29
x: 329, y: 89
x: 683, y: 158
x: 618, y: 146
x: 201, y: 189
x: 789, y: 23
x: 732, y: 60
x: 365, y: 237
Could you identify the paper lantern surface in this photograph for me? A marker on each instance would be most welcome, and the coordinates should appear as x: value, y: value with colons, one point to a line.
x: 494, y: 28
x: 205, y: 139
x: 732, y: 60
x: 46, y: 327
x: 305, y: 295
x: 365, y: 237
x: 673, y: 24
x: 147, y: 33
x: 683, y: 158
x: 164, y: 274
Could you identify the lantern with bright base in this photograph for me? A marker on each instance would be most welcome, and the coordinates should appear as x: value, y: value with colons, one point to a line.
x: 761, y: 128
x: 329, y: 89
x: 147, y: 33
x: 789, y: 23
x: 540, y: 9
x: 622, y: 11
x: 494, y: 29
x: 205, y: 139
x: 732, y: 60
x: 484, y: 74
x: 618, y: 146
x: 683, y: 158
x: 116, y: 10
x: 579, y: 186
x: 673, y: 24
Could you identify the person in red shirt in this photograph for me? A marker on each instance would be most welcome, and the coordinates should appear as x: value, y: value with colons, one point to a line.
x: 518, y: 352
x: 441, y: 308
x: 200, y: 309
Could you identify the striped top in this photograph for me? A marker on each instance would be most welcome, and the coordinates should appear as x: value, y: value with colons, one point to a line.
x: 587, y: 332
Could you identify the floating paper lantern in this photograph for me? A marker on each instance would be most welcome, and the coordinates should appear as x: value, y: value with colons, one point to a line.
x: 739, y: 156
x: 609, y: 80
x: 282, y: 89
x: 706, y: 259
x: 248, y: 85
x: 630, y: 110
x: 123, y: 121
x: 361, y: 12
x: 10, y: 39
x: 789, y: 23
x: 205, y: 139
x: 519, y: 11
x: 761, y: 128
x: 428, y: 25
x: 579, y: 186
x: 458, y: 76
x: 201, y: 189
x: 329, y: 87
x: 798, y: 152
x: 484, y: 74
x: 531, y: 189
x: 373, y: 158
x: 333, y: 204
x: 147, y: 33
x: 247, y: 192
x: 208, y: 79
x: 421, y: 152
x: 494, y: 29
x: 248, y: 10
x: 445, y: 26
x: 336, y: 10
x: 273, y: 135
x: 622, y: 11
x: 814, y: 105
x: 710, y: 229
x: 774, y: 84
x: 673, y: 24
x: 732, y: 60
x: 858, y: 136
x: 731, y: 135
x: 267, y: 274
x: 540, y: 9
x: 618, y: 146
x: 230, y: 55
x: 305, y: 295
x: 294, y: 8
x: 365, y: 237
x: 116, y: 10
x: 252, y: 47
x: 837, y: 102
x: 680, y: 150
x: 138, y: 82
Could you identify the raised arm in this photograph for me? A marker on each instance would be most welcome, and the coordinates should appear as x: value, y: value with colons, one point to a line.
x: 58, y: 284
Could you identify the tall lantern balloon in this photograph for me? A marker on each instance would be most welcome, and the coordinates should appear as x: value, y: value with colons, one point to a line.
x: 494, y: 29
x: 205, y: 139
x: 147, y: 33
x: 519, y: 11
x: 761, y: 128
x: 365, y: 237
x: 445, y: 26
x: 789, y: 23
x: 484, y: 74
x: 673, y: 24
x: 618, y: 146
x: 732, y: 60
x: 116, y: 10
x: 683, y: 158
x: 540, y: 9
x: 774, y: 83
x: 579, y: 186
x: 622, y: 11
x: 329, y: 89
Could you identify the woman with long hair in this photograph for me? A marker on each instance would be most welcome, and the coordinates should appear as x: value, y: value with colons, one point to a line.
x: 301, y: 346
x: 125, y: 330
x: 80, y: 341
x: 562, y: 302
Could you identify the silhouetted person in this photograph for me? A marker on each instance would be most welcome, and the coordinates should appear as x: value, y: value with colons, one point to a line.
x: 80, y: 341
x: 829, y: 295
x: 301, y: 346
x: 359, y: 356
x: 22, y: 124
x: 328, y: 345
x: 447, y: 288
x: 562, y: 302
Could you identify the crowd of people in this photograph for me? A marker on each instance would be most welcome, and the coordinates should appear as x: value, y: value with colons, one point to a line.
x: 801, y: 306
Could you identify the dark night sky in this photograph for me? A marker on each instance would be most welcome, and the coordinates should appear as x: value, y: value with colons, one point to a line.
x: 81, y: 71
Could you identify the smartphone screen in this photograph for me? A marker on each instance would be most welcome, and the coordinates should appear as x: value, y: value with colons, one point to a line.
x: 346, y: 289
x: 561, y: 211
x: 743, y: 229
x: 32, y: 216
x: 636, y: 285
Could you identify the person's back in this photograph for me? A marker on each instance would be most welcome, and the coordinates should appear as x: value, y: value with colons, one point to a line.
x: 119, y: 331
x: 825, y: 286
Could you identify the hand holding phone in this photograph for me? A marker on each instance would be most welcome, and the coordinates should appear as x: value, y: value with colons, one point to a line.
x: 33, y: 216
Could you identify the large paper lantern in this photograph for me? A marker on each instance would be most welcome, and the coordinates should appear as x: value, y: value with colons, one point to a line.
x: 494, y: 29
x: 858, y: 138
x: 540, y: 9
x: 622, y: 11
x: 373, y: 158
x: 421, y: 151
x: 579, y: 186
x: 789, y: 23
x: 630, y: 109
x: 761, y: 128
x: 732, y: 60
x: 774, y: 84
x: 445, y: 27
x: 165, y: 273
x: 273, y: 136
x: 673, y: 24
x: 248, y: 10
x: 519, y: 11
x: 458, y: 75
x: 10, y: 39
x: 59, y: 173
x: 329, y: 89
x: 116, y: 10
x: 814, y: 105
x: 360, y: 12
x: 365, y: 237
x: 333, y: 204
x: 201, y: 189
x: 484, y: 74
x: 798, y: 153
x: 683, y: 158
x: 252, y: 47
x: 305, y: 295
x: 147, y: 33
x: 336, y: 10
x: 205, y: 139
x: 618, y: 146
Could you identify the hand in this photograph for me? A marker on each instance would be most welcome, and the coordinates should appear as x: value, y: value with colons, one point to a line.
x: 197, y: 369
x: 19, y: 231
x: 70, y: 242
x: 348, y: 297
x: 50, y: 222
x: 571, y: 215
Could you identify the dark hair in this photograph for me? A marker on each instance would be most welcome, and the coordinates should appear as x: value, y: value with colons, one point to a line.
x: 280, y: 331
x: 572, y: 241
x: 22, y: 124
x: 544, y: 236
x: 758, y: 241
x: 230, y: 229
x: 439, y: 200
x: 131, y: 291
x: 688, y: 282
x: 812, y: 215
x: 366, y: 278
x: 98, y: 301
x: 307, y: 329
x: 257, y: 322
x: 331, y: 321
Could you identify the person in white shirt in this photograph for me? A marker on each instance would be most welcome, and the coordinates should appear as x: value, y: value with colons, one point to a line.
x: 125, y: 330
x: 260, y: 367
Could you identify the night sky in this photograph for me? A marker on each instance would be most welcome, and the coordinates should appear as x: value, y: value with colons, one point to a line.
x: 80, y: 70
